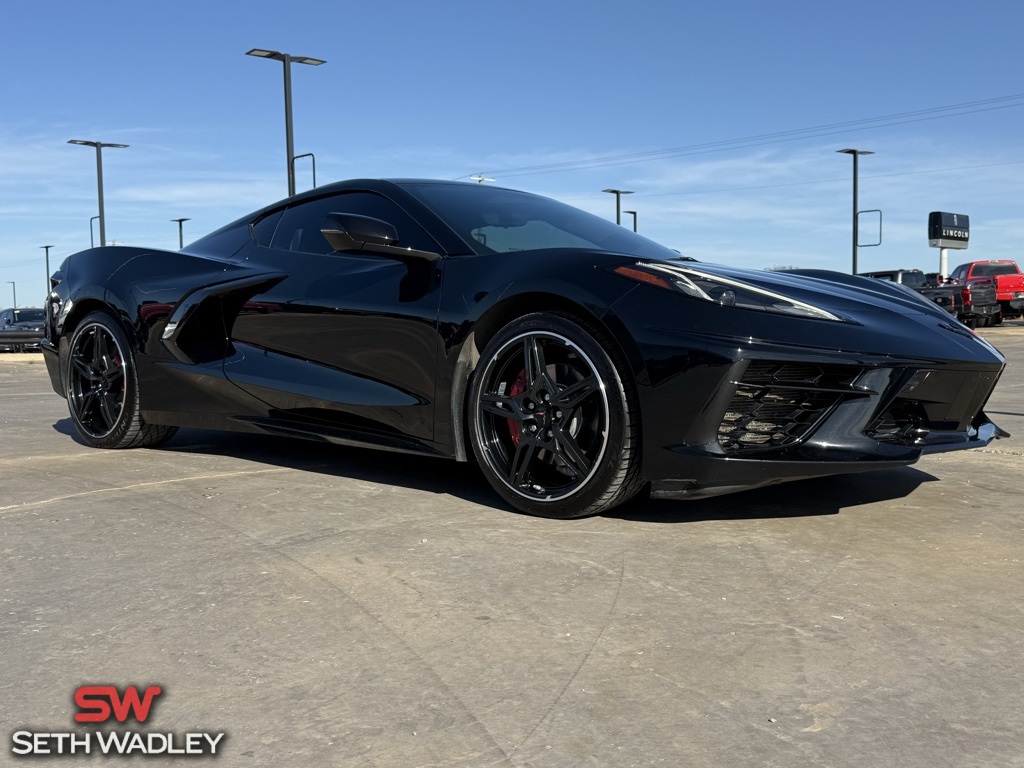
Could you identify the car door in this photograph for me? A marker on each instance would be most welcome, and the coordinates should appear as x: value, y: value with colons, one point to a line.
x: 348, y: 339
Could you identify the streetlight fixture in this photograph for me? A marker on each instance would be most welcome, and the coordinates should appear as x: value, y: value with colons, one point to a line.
x: 181, y: 236
x: 92, y: 241
x: 634, y: 218
x: 856, y: 153
x: 47, y: 247
x: 99, y: 178
x: 287, y: 60
x: 618, y: 201
x: 14, y: 288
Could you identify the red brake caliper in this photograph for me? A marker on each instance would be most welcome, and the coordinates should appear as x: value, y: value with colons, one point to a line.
x: 518, y: 387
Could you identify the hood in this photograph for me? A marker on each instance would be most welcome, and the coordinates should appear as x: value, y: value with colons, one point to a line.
x: 878, y: 316
x: 844, y: 294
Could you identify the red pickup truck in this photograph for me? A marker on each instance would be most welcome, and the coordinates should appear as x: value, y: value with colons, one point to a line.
x: 1007, y: 277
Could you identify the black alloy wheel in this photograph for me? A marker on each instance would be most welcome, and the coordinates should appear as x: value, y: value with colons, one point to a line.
x: 102, y: 389
x: 552, y: 422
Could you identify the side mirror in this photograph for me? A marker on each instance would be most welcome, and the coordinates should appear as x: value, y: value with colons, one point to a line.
x: 352, y: 232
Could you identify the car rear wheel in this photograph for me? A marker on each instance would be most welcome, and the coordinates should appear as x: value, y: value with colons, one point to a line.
x: 553, y: 418
x: 103, y: 389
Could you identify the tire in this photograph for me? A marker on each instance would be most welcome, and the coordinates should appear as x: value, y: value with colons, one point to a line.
x: 995, y: 319
x: 553, y: 418
x: 102, y: 387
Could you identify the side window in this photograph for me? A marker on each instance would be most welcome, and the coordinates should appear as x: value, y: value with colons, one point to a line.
x: 263, y: 230
x: 299, y: 228
x: 913, y: 279
x: 960, y: 272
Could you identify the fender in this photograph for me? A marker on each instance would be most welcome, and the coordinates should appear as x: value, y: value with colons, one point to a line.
x: 516, y: 298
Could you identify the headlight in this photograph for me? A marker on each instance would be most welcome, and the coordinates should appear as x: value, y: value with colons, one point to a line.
x: 724, y: 291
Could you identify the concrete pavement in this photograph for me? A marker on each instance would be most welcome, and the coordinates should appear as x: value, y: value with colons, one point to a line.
x: 334, y: 607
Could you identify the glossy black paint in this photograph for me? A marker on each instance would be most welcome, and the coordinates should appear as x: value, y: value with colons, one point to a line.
x: 376, y: 349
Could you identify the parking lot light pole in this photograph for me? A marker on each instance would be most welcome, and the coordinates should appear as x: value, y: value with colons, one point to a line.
x: 47, y: 247
x: 14, y: 288
x: 181, y: 234
x: 855, y: 153
x: 618, y: 201
x: 287, y: 60
x: 99, y: 178
x: 633, y: 214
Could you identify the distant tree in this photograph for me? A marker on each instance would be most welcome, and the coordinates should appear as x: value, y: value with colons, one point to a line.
x: 781, y: 268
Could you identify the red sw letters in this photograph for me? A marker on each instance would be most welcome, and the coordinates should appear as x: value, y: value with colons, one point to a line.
x: 96, y: 703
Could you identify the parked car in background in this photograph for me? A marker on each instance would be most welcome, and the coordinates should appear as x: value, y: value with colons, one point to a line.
x: 21, y: 329
x: 973, y: 303
x: 1009, y: 282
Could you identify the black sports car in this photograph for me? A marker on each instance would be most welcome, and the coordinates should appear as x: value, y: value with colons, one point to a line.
x: 577, y: 361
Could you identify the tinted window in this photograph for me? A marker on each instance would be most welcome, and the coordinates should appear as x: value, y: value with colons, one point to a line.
x: 28, y: 315
x: 960, y: 272
x: 263, y: 230
x: 913, y: 279
x: 495, y: 220
x: 300, y: 226
x: 991, y: 270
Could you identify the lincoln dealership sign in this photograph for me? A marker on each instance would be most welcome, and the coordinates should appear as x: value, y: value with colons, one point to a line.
x: 948, y: 230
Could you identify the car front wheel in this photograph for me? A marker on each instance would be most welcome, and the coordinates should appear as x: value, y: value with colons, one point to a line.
x: 103, y: 389
x: 553, y: 418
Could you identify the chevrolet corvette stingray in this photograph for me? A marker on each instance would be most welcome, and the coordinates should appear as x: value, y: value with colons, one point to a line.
x: 576, y: 361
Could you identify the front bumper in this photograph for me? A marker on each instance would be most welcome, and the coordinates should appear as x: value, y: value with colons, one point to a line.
x: 717, y: 475
x: 734, y: 400
x: 773, y: 421
x: 11, y: 338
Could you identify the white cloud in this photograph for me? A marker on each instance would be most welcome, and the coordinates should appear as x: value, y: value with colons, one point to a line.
x: 754, y: 207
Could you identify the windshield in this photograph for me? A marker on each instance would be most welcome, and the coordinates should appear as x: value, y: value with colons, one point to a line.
x: 911, y: 279
x: 495, y: 220
x: 28, y: 315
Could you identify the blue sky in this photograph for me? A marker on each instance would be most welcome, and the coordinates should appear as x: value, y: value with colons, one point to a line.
x: 449, y: 89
